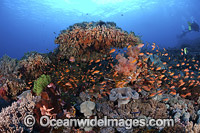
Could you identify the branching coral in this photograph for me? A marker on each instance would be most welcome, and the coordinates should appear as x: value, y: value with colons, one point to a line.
x: 41, y: 83
x: 12, y: 117
x: 9, y: 76
x: 192, y: 128
x: 15, y: 86
x: 8, y: 65
x: 12, y: 85
x: 33, y: 66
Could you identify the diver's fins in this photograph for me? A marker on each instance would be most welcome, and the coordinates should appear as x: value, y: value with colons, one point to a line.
x: 189, y: 26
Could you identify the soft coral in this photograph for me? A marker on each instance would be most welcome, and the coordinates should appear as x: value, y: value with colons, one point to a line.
x: 126, y: 66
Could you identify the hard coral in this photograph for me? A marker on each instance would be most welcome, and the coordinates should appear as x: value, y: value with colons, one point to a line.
x: 12, y: 85
x: 87, y: 39
x: 87, y: 107
x: 12, y: 117
x: 8, y: 65
x: 15, y: 86
x: 192, y: 127
x: 33, y: 66
x: 9, y: 76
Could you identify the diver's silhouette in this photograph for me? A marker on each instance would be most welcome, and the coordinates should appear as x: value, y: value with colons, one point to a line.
x: 191, y: 27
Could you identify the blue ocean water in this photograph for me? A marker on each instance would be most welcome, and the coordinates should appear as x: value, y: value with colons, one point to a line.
x: 33, y: 25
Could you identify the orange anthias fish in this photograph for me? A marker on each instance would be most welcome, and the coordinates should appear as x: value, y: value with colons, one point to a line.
x: 146, y: 88
x: 112, y: 51
x: 140, y: 45
x: 159, y: 68
x: 184, y: 88
x: 141, y: 54
x: 97, y: 71
x: 68, y: 84
x: 173, y: 93
x: 165, y: 100
x: 97, y: 61
x: 134, y: 61
x: 67, y: 70
x: 186, y: 70
x: 153, y: 46
x: 166, y: 54
x: 152, y: 94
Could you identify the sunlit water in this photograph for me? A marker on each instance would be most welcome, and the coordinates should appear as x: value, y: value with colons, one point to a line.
x: 32, y: 25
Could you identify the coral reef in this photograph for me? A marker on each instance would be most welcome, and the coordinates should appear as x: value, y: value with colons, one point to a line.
x: 8, y: 66
x: 15, y: 86
x: 11, y: 86
x: 86, y: 41
x: 100, y: 70
x: 10, y: 79
x: 34, y: 65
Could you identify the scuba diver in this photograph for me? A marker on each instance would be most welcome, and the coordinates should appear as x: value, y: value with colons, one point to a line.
x: 191, y: 27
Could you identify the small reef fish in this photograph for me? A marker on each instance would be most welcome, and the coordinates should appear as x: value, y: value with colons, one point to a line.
x: 112, y: 51
x: 140, y: 45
